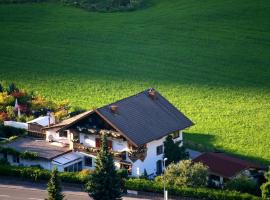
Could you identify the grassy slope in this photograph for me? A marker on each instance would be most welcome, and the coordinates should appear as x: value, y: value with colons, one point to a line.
x: 210, y: 58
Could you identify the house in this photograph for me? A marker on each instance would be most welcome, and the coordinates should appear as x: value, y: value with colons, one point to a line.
x: 46, y: 152
x: 223, y: 167
x: 136, y: 127
x: 34, y: 127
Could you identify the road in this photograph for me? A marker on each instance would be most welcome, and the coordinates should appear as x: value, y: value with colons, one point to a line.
x: 22, y: 190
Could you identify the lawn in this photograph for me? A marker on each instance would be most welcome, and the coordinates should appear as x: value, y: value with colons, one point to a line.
x: 209, y: 58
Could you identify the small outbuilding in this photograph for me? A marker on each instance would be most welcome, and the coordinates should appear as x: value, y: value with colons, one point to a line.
x: 223, y: 167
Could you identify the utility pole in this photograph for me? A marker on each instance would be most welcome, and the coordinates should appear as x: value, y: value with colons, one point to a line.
x: 164, y: 187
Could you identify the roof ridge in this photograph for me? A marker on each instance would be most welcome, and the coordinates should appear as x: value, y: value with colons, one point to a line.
x: 126, y: 98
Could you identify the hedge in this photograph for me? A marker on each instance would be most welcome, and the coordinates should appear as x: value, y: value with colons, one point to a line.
x: 24, y: 155
x: 200, y: 193
x: 37, y: 174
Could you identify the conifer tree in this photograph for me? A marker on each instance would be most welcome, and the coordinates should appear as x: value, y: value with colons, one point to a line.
x: 1, y: 88
x: 104, y: 183
x: 172, y: 151
x: 54, y: 187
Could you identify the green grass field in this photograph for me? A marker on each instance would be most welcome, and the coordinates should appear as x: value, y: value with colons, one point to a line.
x: 209, y: 58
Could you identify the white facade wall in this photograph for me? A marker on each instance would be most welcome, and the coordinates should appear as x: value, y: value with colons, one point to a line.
x: 119, y: 145
x: 51, y: 133
x: 150, y: 162
x: 90, y: 141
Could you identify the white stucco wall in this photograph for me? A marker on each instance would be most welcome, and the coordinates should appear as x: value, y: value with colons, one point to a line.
x: 56, y: 136
x: 149, y: 163
x: 88, y: 140
x: 119, y: 145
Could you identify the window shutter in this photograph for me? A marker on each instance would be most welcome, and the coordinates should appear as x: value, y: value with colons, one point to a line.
x: 97, y: 142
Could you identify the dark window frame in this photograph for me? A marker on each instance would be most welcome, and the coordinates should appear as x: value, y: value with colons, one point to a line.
x: 159, y: 150
x: 87, y: 161
x: 15, y: 159
x: 63, y: 134
x: 175, y: 134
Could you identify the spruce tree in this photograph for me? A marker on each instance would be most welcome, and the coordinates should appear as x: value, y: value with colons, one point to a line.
x: 1, y: 88
x: 104, y: 183
x: 54, y: 187
x: 172, y: 151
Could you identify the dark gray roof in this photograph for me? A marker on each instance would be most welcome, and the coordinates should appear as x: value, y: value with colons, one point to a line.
x: 43, y: 148
x: 143, y: 119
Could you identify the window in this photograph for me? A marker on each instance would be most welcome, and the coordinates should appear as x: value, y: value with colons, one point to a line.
x: 63, y: 134
x: 175, y: 135
x: 74, y: 168
x: 159, y: 149
x: 110, y: 144
x: 159, y: 167
x: 16, y: 159
x: 88, y: 161
x: 98, y: 143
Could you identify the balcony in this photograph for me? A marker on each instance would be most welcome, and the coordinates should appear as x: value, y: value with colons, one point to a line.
x: 94, y: 150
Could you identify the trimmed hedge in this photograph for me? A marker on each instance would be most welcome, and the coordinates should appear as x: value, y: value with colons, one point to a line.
x: 28, y: 155
x: 200, y: 193
x: 37, y: 174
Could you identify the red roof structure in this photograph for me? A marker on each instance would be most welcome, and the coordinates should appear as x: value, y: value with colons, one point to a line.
x: 225, y: 165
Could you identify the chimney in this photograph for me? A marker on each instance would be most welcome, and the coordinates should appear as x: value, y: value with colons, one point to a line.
x: 152, y: 93
x: 114, y: 108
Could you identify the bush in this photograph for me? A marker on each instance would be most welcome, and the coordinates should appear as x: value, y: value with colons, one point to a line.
x: 106, y: 5
x: 185, y: 173
x: 8, y: 131
x: 242, y: 184
x: 200, y: 193
x: 265, y: 188
x: 37, y: 174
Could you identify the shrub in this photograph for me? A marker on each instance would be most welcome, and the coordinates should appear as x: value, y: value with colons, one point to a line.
x: 265, y: 188
x: 37, y: 174
x: 10, y: 110
x: 106, y: 5
x: 186, y: 173
x: 200, y: 193
x: 6, y: 100
x: 8, y: 131
x: 3, y: 117
x: 54, y: 187
x: 242, y: 184
x: 29, y: 155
